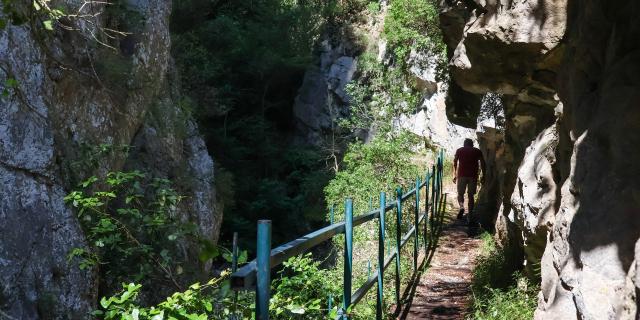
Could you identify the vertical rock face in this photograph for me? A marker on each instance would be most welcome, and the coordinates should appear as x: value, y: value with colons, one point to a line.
x: 430, y: 121
x: 491, y: 143
x: 570, y: 188
x: 592, y: 247
x: 535, y: 199
x: 71, y: 92
x: 322, y: 97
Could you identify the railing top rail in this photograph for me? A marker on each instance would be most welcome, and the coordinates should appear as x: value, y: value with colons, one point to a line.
x: 245, y: 277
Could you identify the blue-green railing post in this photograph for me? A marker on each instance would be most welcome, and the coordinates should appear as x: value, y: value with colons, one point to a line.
x: 398, y: 240
x: 381, y: 257
x: 263, y: 286
x: 433, y: 197
x: 416, y: 227
x: 440, y: 174
x: 330, y: 300
x: 348, y: 250
x: 426, y: 212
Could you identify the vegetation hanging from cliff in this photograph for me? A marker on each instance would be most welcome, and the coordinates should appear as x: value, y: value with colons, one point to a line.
x: 384, y: 88
x: 131, y: 228
x: 412, y: 25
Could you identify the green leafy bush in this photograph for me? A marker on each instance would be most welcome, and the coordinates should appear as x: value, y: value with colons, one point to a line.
x: 131, y: 227
x: 367, y: 169
x: 302, y: 288
x: 212, y: 300
x: 499, y: 294
x: 413, y: 24
x: 299, y: 292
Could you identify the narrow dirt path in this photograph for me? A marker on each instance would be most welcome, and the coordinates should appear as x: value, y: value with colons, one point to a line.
x: 444, y: 291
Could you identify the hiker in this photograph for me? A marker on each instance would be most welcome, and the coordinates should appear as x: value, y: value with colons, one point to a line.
x: 465, y: 173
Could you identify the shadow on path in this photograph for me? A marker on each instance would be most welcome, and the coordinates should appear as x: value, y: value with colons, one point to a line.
x: 444, y: 289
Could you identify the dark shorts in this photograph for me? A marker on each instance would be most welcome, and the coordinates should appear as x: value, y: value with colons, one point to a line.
x: 468, y: 184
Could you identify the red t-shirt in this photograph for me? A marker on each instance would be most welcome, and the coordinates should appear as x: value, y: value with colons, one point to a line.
x: 467, y: 158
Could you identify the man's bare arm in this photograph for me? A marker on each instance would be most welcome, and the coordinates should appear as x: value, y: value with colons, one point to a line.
x: 455, y: 167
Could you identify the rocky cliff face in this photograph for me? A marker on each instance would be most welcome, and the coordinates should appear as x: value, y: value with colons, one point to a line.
x: 430, y: 120
x: 72, y: 92
x: 570, y: 191
x: 322, y: 98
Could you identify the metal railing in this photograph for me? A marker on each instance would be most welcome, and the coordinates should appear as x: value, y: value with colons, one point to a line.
x: 257, y: 273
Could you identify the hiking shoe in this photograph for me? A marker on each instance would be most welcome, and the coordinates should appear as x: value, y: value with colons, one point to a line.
x: 460, y: 213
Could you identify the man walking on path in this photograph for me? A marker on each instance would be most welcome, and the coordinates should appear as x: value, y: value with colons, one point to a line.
x: 465, y: 173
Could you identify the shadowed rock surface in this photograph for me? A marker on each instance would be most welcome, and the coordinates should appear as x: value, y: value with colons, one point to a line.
x: 570, y: 204
x: 70, y: 94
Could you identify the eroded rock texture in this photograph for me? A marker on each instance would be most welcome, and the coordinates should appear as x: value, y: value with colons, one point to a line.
x: 322, y: 98
x: 73, y: 92
x: 592, y: 247
x: 570, y: 192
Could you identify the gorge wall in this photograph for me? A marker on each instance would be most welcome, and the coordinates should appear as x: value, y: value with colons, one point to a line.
x: 73, y: 92
x: 570, y: 205
x: 323, y: 99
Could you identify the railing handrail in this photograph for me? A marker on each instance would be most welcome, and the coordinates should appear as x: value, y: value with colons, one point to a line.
x: 246, y: 277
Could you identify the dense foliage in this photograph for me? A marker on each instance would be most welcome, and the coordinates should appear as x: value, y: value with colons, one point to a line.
x: 241, y: 64
x: 412, y: 25
x: 296, y: 291
x: 131, y: 227
x: 492, y: 109
x: 499, y: 294
x: 368, y: 169
x: 379, y: 95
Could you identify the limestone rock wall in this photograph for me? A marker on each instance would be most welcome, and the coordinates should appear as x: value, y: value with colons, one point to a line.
x: 322, y: 98
x: 430, y: 121
x: 592, y: 246
x: 491, y: 143
x: 72, y: 92
x: 570, y: 203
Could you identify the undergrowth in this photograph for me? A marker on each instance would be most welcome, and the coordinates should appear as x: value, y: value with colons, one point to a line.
x: 498, y: 293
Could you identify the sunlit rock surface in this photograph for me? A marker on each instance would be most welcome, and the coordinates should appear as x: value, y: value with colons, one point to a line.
x: 430, y: 121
